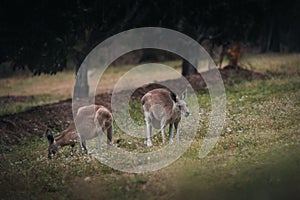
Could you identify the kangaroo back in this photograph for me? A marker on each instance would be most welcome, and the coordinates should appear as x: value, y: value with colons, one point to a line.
x: 159, y: 103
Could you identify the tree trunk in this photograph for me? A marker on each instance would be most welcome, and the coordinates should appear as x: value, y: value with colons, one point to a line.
x: 81, y: 89
x: 188, y: 68
x: 271, y: 39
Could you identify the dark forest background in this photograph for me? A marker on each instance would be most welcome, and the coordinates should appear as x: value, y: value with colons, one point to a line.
x: 43, y: 35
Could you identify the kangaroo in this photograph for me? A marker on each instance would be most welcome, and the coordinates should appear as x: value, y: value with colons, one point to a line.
x: 162, y: 107
x: 91, y: 121
x: 68, y: 137
x: 90, y: 126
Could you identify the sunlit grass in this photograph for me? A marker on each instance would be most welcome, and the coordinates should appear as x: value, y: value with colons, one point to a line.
x: 43, y: 89
x: 55, y: 85
x: 32, y: 101
x: 273, y: 63
x: 52, y: 88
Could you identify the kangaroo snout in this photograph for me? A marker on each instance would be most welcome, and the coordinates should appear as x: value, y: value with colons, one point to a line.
x: 187, y: 114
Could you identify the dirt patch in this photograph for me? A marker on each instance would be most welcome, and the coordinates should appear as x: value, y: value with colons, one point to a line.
x: 14, y: 128
x: 229, y: 74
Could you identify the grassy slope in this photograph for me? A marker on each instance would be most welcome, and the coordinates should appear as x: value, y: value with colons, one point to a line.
x: 257, y: 156
x: 48, y: 89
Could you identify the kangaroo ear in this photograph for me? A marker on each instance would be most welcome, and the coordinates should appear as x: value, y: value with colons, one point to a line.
x: 184, y: 93
x: 49, y: 136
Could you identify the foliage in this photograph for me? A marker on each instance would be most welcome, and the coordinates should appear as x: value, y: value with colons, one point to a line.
x: 44, y: 35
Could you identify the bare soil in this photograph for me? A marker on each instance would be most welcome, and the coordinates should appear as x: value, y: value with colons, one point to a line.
x: 33, y: 122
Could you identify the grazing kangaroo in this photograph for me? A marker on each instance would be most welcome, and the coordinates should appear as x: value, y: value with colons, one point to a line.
x: 162, y: 107
x: 91, y: 121
x: 68, y: 137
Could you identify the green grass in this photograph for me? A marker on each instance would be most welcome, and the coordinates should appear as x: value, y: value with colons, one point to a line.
x: 16, y: 107
x: 273, y: 63
x: 256, y: 157
x: 44, y: 89
x: 48, y: 89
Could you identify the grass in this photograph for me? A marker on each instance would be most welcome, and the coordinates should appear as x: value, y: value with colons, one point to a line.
x: 36, y: 90
x: 16, y: 107
x: 273, y: 63
x: 256, y: 157
x: 48, y: 89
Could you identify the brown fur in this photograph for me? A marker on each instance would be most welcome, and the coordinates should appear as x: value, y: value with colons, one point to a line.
x: 87, y: 120
x: 162, y: 97
x: 162, y: 107
x: 68, y: 136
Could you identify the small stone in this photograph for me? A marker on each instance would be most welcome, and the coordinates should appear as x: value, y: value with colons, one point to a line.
x: 87, y: 179
x: 228, y: 130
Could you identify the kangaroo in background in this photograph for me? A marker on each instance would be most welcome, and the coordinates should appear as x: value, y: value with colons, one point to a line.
x: 91, y: 121
x: 162, y: 107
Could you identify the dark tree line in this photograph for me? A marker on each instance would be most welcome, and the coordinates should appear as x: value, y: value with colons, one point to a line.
x: 43, y: 35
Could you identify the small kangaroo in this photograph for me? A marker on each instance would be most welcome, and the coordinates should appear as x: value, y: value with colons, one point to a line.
x: 162, y: 107
x: 68, y: 137
x: 91, y: 121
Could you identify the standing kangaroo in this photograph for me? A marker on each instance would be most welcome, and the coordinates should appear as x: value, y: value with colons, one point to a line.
x: 162, y: 107
x: 91, y: 121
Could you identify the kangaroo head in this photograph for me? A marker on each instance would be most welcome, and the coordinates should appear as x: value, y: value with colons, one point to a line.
x: 182, y: 105
x: 52, y: 148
